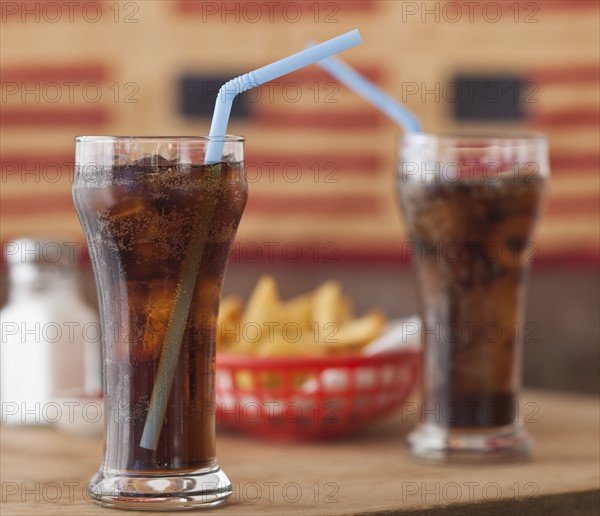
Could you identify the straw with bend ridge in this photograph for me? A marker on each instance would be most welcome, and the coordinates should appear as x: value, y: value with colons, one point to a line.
x: 191, y: 266
x: 366, y: 89
x: 265, y: 74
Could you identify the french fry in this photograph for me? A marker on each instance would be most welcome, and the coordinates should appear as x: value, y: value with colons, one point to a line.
x: 327, y: 299
x: 281, y: 346
x: 264, y: 305
x: 231, y: 309
x: 242, y: 347
x: 358, y: 332
x: 263, y: 309
x: 230, y: 315
x: 298, y: 310
x: 345, y: 310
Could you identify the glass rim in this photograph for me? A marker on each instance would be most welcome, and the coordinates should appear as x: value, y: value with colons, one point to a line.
x: 228, y: 138
x: 483, y: 136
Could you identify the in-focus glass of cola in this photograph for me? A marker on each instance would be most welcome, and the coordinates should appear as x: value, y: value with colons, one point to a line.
x: 149, y: 207
x: 471, y: 204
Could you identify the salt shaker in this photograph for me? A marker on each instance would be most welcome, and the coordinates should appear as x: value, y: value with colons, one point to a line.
x: 50, y: 337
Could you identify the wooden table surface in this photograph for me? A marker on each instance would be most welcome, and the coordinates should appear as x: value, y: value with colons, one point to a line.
x: 44, y: 472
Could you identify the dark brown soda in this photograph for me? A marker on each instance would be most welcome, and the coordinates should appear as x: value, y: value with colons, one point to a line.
x: 139, y: 219
x: 472, y: 250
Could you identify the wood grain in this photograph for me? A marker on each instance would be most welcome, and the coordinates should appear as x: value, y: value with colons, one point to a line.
x: 44, y: 472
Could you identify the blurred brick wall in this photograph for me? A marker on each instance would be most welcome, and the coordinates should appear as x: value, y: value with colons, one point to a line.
x: 321, y: 160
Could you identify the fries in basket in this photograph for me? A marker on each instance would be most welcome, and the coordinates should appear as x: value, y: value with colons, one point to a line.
x: 316, y: 323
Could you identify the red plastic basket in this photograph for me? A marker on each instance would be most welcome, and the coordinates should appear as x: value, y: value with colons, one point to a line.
x: 297, y: 398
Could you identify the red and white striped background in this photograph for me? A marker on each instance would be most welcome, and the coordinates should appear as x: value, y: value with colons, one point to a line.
x: 303, y: 139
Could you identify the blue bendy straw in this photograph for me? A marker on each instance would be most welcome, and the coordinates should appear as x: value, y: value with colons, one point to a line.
x: 366, y: 89
x: 170, y: 351
x: 267, y: 73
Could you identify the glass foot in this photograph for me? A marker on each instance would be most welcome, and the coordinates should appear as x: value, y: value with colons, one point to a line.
x: 197, y: 489
x: 437, y: 444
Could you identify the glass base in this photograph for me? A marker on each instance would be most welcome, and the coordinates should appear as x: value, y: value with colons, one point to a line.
x: 432, y: 443
x: 197, y: 489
